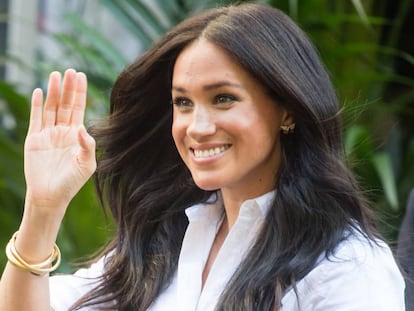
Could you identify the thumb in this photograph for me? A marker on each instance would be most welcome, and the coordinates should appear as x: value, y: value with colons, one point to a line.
x: 86, y: 156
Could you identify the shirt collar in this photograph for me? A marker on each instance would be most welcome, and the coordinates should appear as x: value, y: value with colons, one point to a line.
x: 213, y: 208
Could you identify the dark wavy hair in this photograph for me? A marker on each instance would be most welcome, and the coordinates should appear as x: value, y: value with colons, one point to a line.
x: 147, y: 187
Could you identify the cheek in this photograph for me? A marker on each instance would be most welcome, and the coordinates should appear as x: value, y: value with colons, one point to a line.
x: 178, y: 133
x: 174, y: 133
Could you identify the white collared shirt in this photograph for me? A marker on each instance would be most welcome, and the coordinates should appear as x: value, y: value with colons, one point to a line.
x: 361, y: 275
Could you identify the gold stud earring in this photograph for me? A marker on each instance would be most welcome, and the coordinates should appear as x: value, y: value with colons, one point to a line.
x: 288, y: 129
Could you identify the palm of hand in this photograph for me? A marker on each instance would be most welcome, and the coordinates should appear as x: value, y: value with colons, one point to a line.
x: 59, y: 154
x: 51, y: 165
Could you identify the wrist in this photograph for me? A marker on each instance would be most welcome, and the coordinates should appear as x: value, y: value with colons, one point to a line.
x: 44, y: 210
x: 33, y: 244
x: 38, y: 232
x: 44, y: 267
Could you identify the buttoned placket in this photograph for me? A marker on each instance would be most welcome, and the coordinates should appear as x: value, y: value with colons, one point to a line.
x: 204, y: 221
x: 232, y: 252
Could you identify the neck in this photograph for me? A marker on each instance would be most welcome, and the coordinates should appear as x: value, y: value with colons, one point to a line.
x: 232, y: 204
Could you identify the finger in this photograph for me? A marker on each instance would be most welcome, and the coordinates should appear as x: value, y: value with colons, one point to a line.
x: 35, y: 122
x: 86, y: 157
x: 64, y: 110
x: 79, y: 100
x: 52, y: 99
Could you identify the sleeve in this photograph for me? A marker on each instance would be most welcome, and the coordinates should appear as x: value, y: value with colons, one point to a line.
x: 361, y: 276
x: 65, y: 290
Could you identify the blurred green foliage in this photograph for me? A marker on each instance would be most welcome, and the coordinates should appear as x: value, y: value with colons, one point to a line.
x: 362, y: 44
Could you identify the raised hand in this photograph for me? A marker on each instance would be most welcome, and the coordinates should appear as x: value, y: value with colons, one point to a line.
x: 59, y: 159
x: 59, y: 153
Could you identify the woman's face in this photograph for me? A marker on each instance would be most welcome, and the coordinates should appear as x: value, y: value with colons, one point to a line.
x: 225, y: 126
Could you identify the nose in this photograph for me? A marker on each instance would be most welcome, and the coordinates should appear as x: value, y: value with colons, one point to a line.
x: 202, y: 123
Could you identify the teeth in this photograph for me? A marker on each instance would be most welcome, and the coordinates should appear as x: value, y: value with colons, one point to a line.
x: 210, y: 152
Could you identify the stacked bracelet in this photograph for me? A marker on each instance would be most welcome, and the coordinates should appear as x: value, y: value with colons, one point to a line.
x: 42, y: 268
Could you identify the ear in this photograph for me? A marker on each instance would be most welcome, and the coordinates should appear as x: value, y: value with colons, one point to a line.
x: 287, y: 118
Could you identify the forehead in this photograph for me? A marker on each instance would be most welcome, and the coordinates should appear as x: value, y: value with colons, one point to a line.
x: 203, y: 60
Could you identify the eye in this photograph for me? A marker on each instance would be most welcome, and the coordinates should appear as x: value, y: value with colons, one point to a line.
x: 182, y: 103
x: 225, y: 99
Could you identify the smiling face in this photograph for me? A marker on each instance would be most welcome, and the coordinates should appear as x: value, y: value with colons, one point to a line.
x: 225, y: 126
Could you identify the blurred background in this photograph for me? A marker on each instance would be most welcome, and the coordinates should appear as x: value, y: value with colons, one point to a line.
x: 367, y: 46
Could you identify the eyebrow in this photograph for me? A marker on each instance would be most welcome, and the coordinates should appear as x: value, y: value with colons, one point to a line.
x: 210, y: 87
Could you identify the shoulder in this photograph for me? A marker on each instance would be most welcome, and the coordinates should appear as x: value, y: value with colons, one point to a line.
x: 361, y: 274
x: 359, y: 252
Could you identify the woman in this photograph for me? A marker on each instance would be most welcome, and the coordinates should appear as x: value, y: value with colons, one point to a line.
x: 222, y: 164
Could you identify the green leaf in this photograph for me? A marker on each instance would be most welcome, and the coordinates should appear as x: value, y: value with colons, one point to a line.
x: 383, y: 166
x: 147, y: 16
x: 293, y: 9
x: 171, y: 11
x: 361, y: 12
x: 93, y: 38
x: 93, y: 59
x: 130, y: 23
x: 16, y: 102
x: 358, y: 141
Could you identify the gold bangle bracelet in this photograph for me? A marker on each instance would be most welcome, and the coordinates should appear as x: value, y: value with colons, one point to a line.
x: 46, y: 263
x: 42, y: 268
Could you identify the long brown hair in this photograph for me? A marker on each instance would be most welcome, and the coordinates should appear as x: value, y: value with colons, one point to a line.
x: 147, y: 187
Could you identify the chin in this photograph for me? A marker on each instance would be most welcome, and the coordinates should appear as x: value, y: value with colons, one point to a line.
x: 206, y: 185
